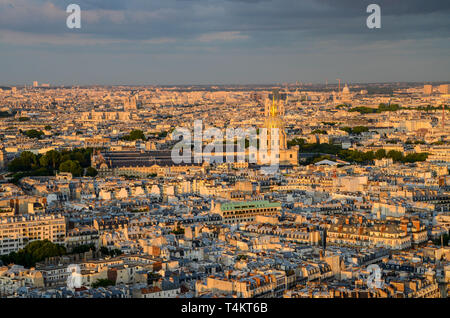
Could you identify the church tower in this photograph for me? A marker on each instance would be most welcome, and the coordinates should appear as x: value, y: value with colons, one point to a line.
x: 277, y: 145
x: 274, y: 113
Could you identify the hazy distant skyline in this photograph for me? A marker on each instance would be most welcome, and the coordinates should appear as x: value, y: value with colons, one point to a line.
x: 222, y: 41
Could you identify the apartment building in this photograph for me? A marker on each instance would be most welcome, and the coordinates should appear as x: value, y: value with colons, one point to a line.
x: 247, y: 285
x: 16, y: 232
x: 16, y: 276
x: 235, y: 212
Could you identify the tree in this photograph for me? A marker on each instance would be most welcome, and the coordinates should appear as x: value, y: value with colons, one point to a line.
x: 134, y: 135
x: 114, y: 252
x: 33, y: 133
x: 320, y: 158
x: 295, y: 142
x: 380, y: 154
x: 34, y: 252
x: 162, y: 134
x: 369, y: 156
x: 388, y: 108
x: 25, y: 162
x: 51, y: 159
x: 363, y: 110
x: 319, y: 131
x: 360, y: 129
x: 104, y: 250
x: 103, y: 283
x: 346, y: 129
x: 82, y: 155
x: 414, y: 157
x: 83, y: 248
x: 29, y: 164
x: 355, y: 130
x: 395, y: 155
x: 91, y: 172
x: 4, y: 114
x: 71, y: 166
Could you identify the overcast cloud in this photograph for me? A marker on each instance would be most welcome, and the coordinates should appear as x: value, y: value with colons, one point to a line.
x: 223, y: 41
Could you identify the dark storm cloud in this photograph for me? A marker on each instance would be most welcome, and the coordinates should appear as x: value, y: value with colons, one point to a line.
x: 392, y: 7
x: 189, y: 19
x: 254, y: 38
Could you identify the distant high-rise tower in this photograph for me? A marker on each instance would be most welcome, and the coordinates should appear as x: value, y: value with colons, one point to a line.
x: 428, y: 89
x: 444, y: 88
x: 35, y: 84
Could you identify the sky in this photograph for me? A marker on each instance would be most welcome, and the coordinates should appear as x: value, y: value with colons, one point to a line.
x: 160, y: 42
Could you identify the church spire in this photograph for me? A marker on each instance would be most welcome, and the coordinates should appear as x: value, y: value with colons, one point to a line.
x: 273, y: 110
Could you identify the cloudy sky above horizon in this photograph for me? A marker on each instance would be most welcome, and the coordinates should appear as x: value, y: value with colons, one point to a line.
x: 223, y: 41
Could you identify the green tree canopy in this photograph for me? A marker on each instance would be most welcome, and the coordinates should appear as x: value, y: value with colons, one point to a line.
x: 355, y: 130
x: 91, y: 172
x: 71, y: 166
x: 395, y: 155
x: 319, y: 131
x: 51, y: 159
x: 25, y: 162
x: 34, y: 252
x: 103, y: 283
x: 29, y: 164
x: 33, y: 133
x: 134, y: 135
x: 380, y: 154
